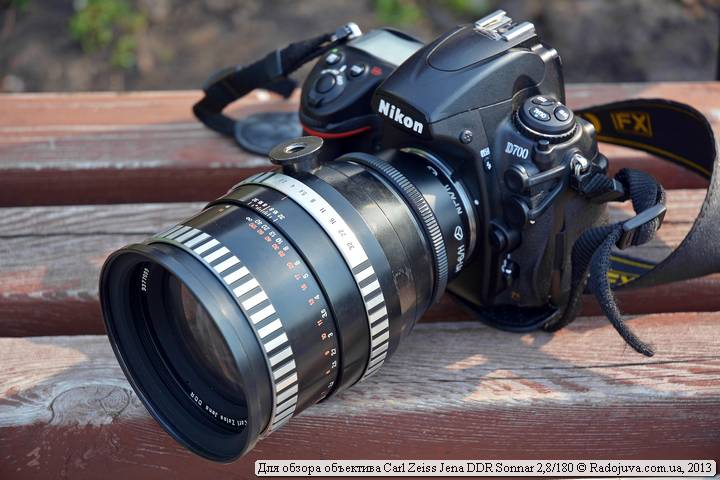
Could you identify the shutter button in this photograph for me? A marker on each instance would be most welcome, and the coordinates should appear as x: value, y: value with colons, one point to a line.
x: 325, y: 83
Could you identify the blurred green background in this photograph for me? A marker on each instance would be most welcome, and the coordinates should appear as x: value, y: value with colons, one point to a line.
x: 175, y: 44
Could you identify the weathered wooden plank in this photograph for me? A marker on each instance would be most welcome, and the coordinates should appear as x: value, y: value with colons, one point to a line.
x: 147, y: 147
x: 146, y: 219
x: 50, y: 258
x: 67, y: 411
x: 107, y: 148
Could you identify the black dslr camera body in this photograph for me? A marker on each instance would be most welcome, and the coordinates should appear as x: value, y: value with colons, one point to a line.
x: 481, y: 108
x: 424, y: 168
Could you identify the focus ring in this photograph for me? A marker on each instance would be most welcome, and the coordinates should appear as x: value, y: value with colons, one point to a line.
x: 422, y: 210
x: 350, y: 248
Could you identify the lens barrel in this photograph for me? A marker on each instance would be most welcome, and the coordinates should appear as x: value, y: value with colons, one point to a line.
x: 294, y: 286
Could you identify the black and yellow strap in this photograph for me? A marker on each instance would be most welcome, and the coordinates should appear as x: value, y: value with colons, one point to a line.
x: 679, y: 134
x: 670, y: 131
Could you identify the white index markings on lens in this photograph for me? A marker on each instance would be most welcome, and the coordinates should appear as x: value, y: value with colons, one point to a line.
x: 251, y: 297
x: 284, y: 370
x: 177, y: 232
x: 255, y: 300
x: 364, y: 274
x: 206, y: 246
x: 377, y: 359
x: 225, y: 264
x: 195, y: 240
x: 375, y: 301
x: 383, y: 337
x: 377, y: 355
x: 378, y: 315
x: 220, y: 252
x: 291, y: 379
x: 276, y: 342
x: 329, y: 219
x: 373, y: 369
x: 284, y: 406
x: 245, y: 287
x: 278, y: 424
x: 279, y: 357
x: 287, y: 394
x: 169, y: 231
x: 236, y: 275
x: 262, y: 314
x: 375, y: 285
x: 379, y: 328
x: 269, y: 328
x: 282, y: 417
x: 189, y: 234
x: 347, y: 243
x: 381, y: 348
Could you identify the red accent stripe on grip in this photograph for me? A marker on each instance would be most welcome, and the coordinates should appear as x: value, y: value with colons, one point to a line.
x: 331, y: 136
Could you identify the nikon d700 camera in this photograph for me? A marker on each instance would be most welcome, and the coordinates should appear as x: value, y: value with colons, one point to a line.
x: 422, y: 169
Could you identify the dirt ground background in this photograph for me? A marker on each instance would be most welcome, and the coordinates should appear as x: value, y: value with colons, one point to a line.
x: 51, y: 45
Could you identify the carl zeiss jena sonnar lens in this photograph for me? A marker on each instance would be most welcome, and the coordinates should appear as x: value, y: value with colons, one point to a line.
x: 292, y: 287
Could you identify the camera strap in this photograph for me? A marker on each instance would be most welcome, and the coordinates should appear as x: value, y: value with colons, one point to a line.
x: 670, y: 131
x: 271, y: 73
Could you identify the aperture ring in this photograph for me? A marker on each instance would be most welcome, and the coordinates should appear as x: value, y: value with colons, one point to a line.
x: 259, y: 310
x: 422, y: 210
x: 352, y: 252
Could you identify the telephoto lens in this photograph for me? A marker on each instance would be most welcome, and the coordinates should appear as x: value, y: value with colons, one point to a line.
x: 297, y: 284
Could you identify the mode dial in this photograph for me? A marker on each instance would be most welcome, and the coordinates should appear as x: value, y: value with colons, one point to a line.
x: 542, y: 117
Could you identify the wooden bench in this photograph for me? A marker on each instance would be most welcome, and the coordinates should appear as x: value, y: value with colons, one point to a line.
x: 84, y: 174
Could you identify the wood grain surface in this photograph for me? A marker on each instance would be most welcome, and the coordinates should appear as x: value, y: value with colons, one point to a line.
x: 453, y: 390
x: 147, y: 147
x: 50, y: 258
x: 84, y: 174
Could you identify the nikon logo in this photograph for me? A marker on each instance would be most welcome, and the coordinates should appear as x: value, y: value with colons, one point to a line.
x: 394, y: 113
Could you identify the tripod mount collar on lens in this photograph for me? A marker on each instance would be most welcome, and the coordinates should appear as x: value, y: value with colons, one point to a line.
x: 297, y: 155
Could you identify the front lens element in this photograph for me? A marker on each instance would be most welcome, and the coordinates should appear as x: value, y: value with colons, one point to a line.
x: 200, y: 338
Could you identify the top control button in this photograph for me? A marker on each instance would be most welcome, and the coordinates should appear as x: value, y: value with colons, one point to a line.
x: 332, y: 58
x: 357, y: 70
x: 539, y: 114
x: 543, y: 101
x: 562, y: 113
x: 325, y: 83
x: 541, y: 117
